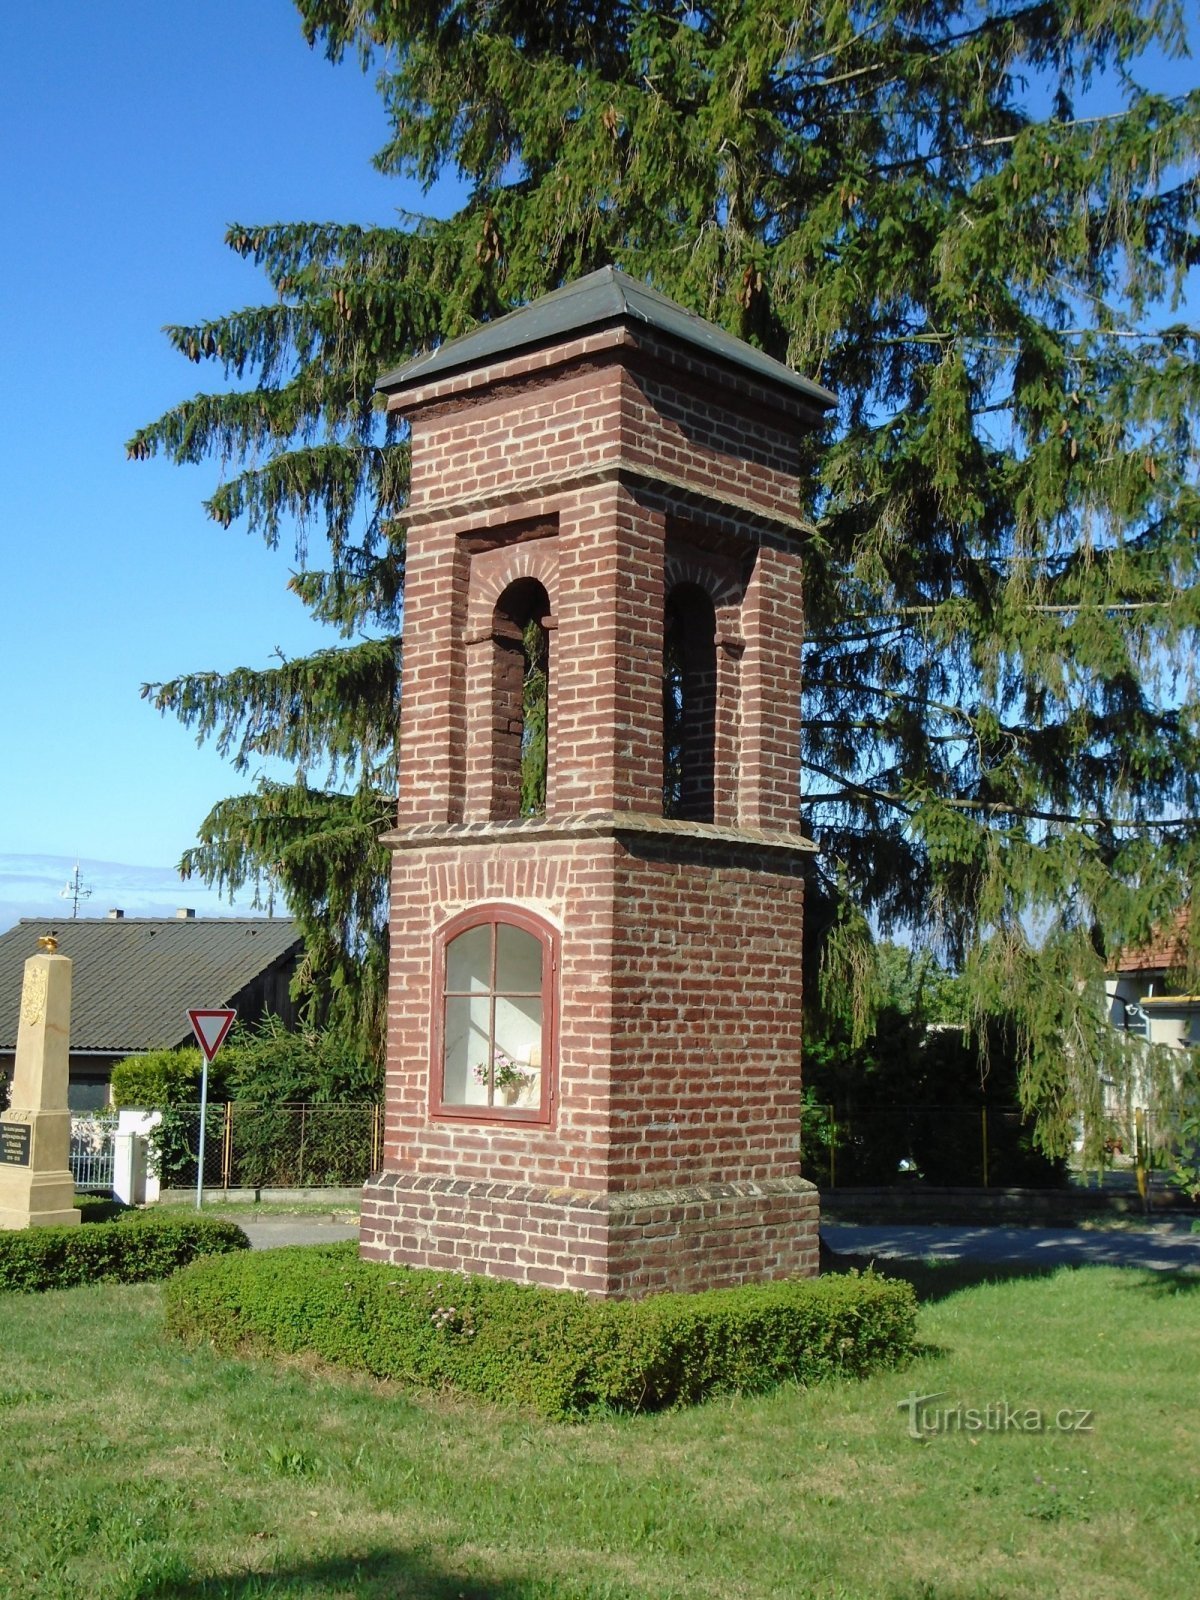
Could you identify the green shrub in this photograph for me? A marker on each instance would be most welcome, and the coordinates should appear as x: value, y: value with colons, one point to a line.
x: 136, y: 1248
x: 270, y: 1064
x: 156, y: 1079
x: 562, y: 1354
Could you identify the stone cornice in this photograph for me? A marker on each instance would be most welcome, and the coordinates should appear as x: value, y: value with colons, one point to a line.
x: 591, y: 825
x: 696, y: 496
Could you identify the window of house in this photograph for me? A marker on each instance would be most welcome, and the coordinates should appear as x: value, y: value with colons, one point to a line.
x: 494, y: 1042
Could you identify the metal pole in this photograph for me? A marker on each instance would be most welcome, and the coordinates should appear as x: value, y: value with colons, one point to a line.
x: 203, y: 1113
x: 832, y: 1143
x: 983, y: 1122
x: 1141, y: 1152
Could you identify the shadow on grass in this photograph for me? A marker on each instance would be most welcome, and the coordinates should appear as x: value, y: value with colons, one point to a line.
x: 396, y: 1574
x: 1161, y: 1285
x: 937, y: 1280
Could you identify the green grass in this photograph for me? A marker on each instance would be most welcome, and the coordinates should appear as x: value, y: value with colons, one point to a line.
x: 134, y: 1468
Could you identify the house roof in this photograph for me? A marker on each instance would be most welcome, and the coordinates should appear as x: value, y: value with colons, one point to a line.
x: 135, y: 978
x: 1167, y: 948
x: 608, y: 295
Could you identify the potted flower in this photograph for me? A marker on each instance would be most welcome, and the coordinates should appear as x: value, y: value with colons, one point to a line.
x: 508, y: 1079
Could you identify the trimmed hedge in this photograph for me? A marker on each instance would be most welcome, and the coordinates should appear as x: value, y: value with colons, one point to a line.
x: 157, y: 1078
x: 136, y: 1249
x: 560, y: 1353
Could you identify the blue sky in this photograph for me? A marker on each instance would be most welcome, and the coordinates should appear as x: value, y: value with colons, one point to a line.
x: 133, y: 132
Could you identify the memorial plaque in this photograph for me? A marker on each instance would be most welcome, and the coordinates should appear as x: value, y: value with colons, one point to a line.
x: 14, y: 1144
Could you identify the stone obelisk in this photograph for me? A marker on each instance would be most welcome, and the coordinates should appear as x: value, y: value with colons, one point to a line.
x: 36, y: 1186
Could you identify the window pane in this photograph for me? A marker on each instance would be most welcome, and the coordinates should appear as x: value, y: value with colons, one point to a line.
x: 518, y: 961
x: 469, y: 961
x: 518, y: 1055
x: 466, y: 1058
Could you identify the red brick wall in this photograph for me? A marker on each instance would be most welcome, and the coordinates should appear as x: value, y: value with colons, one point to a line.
x: 603, y: 568
x: 707, y: 1015
x: 679, y: 1014
x: 714, y: 1236
x: 570, y: 884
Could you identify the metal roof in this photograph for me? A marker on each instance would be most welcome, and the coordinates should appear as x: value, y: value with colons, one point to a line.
x: 601, y: 297
x: 135, y: 978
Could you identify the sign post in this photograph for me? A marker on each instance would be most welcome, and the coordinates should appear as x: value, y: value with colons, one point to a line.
x: 211, y: 1029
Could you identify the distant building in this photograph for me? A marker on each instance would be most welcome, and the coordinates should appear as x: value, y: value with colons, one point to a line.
x: 135, y: 979
x: 1145, y: 992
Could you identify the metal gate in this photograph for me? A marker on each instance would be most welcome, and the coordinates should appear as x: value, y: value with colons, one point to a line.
x: 92, y: 1150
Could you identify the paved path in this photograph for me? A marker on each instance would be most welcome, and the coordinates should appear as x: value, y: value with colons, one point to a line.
x: 1162, y: 1247
x: 266, y: 1232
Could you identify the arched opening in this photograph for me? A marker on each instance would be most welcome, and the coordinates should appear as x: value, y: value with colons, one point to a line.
x: 520, y: 700
x: 689, y: 704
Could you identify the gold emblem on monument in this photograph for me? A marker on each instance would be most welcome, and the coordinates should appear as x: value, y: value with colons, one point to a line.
x: 33, y: 996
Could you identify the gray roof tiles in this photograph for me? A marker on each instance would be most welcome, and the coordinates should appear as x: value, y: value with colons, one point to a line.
x: 608, y: 295
x: 135, y: 978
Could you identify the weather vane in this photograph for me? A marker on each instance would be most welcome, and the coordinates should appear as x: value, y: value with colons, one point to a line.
x: 75, y: 890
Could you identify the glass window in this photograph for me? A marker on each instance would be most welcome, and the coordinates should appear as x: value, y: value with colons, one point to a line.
x: 494, y: 1058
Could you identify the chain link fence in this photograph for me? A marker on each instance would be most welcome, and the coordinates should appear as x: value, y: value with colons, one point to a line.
x: 269, y: 1147
x: 948, y: 1147
x: 984, y: 1147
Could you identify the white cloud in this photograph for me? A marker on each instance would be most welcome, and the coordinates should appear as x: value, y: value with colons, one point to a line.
x: 34, y: 886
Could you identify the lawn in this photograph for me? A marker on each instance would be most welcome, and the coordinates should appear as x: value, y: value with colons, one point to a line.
x: 134, y: 1468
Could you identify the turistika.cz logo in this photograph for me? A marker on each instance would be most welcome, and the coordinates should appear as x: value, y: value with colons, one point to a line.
x: 926, y: 1417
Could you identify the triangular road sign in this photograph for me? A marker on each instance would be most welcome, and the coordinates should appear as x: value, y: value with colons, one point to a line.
x: 211, y: 1028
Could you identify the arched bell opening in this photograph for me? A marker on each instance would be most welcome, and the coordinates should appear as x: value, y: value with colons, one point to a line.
x: 520, y: 700
x: 689, y: 704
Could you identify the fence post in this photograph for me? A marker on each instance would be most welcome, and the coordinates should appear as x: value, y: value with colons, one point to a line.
x: 301, y: 1173
x: 832, y: 1143
x: 227, y: 1148
x: 1140, y: 1152
x: 376, y: 1152
x: 983, y: 1128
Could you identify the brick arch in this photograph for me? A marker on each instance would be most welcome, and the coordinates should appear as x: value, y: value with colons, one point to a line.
x: 494, y: 571
x: 722, y: 589
x: 453, y: 910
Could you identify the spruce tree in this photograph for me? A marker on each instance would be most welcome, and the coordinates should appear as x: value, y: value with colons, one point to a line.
x: 916, y: 202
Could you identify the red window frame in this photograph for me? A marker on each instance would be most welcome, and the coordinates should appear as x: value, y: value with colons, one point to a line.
x: 529, y: 922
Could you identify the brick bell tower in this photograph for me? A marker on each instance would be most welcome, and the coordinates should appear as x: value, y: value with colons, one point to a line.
x: 593, y: 1071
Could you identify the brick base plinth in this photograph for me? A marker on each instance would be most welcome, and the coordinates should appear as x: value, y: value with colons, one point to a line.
x: 619, y: 1245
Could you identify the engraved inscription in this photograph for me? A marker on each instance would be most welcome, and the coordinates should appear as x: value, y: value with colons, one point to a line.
x: 14, y: 1144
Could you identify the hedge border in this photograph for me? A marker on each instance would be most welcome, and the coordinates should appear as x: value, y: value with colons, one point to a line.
x: 561, y: 1354
x: 133, y: 1248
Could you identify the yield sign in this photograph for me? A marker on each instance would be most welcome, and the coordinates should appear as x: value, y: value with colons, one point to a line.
x: 211, y: 1028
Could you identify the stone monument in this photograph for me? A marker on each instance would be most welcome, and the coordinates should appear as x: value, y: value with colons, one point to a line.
x: 36, y: 1186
